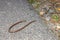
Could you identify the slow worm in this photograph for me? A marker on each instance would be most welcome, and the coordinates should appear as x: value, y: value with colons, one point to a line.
x: 11, y: 31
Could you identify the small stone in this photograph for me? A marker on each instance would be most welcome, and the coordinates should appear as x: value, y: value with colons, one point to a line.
x: 41, y: 13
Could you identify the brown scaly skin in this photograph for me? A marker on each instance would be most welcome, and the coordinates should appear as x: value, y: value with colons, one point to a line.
x: 20, y: 28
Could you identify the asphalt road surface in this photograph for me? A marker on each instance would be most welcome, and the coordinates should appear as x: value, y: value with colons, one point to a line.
x: 12, y: 11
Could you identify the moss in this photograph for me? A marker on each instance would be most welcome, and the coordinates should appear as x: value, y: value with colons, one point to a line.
x: 31, y: 1
x: 55, y: 17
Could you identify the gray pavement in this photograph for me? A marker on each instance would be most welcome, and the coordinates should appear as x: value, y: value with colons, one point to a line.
x: 12, y: 11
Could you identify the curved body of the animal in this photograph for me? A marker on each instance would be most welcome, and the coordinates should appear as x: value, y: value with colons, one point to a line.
x: 20, y: 28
